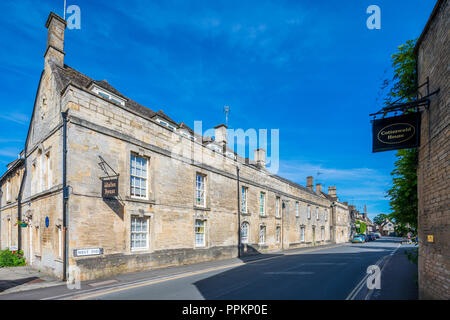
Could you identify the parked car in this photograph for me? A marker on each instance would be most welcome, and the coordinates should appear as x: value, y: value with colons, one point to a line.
x: 366, y: 239
x: 358, y: 238
x: 377, y: 235
x: 371, y: 237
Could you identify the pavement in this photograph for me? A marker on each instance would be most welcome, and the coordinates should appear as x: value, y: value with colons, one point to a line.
x: 18, y: 279
x: 329, y: 272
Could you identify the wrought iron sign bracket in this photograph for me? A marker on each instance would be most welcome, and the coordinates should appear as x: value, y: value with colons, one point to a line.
x: 103, y: 165
x: 420, y: 102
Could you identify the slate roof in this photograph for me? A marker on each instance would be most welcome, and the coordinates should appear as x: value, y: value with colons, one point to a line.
x: 68, y: 75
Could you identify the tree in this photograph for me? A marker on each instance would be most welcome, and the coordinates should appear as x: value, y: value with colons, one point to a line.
x: 379, y: 219
x: 403, y: 194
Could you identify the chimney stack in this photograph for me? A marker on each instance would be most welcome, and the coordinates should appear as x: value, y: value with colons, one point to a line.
x: 318, y: 188
x: 332, y: 192
x: 220, y: 134
x: 55, y: 40
x: 260, y: 158
x: 309, y: 183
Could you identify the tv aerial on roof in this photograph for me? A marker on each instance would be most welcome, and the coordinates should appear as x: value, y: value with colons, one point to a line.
x: 227, y: 111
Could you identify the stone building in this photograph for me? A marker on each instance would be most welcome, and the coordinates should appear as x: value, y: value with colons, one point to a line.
x: 178, y: 192
x: 432, y: 49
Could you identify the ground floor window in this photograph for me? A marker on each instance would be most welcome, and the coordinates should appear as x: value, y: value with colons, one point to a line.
x: 200, y: 233
x: 262, y: 234
x: 139, y: 233
x: 278, y: 234
x: 244, y: 232
x: 322, y: 233
x: 60, y: 242
x: 302, y: 234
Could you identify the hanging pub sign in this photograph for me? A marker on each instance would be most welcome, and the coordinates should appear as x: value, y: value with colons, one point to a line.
x: 400, y: 132
x: 110, y: 188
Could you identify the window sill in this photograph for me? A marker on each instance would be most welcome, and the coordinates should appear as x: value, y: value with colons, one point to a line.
x: 147, y: 201
x: 246, y: 214
x: 200, y: 247
x: 201, y: 208
x: 263, y: 216
x: 279, y: 218
x: 143, y: 250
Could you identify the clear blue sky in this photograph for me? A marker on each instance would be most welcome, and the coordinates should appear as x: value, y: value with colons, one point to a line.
x: 311, y: 69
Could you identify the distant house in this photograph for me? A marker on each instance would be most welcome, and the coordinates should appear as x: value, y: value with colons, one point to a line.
x: 388, y: 228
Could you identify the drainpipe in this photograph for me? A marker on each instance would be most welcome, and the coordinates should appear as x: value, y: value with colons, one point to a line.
x: 65, y: 196
x: 19, y: 201
x: 239, y: 213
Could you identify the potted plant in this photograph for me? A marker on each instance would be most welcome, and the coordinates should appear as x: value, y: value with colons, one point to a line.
x: 22, y: 223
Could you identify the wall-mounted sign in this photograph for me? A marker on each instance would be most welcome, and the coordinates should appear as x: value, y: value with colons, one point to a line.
x: 430, y: 238
x: 87, y: 252
x: 47, y: 222
x: 110, y: 188
x: 401, y: 132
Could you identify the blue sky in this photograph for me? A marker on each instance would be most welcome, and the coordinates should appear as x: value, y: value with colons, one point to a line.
x: 311, y: 69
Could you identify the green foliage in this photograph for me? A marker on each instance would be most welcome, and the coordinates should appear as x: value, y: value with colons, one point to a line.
x: 403, y: 194
x: 404, y: 83
x: 362, y: 227
x: 379, y: 219
x: 413, y: 255
x: 12, y: 258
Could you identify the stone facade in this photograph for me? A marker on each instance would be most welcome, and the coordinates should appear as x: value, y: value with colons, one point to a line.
x: 108, y: 132
x: 434, y: 164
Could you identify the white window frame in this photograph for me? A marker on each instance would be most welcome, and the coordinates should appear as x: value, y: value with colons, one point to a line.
x: 41, y: 172
x: 146, y: 232
x: 296, y: 208
x: 196, y: 232
x: 139, y: 178
x: 244, y: 199
x: 200, y: 190
x: 262, y: 231
x: 8, y: 190
x: 278, y: 234
x: 309, y: 211
x: 49, y: 170
x: 317, y: 213
x: 108, y: 95
x: 60, y: 242
x: 302, y: 234
x: 277, y: 206
x: 245, y: 236
x: 322, y: 231
x: 262, y: 203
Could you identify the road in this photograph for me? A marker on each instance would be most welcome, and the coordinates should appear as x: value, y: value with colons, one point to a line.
x: 321, y: 273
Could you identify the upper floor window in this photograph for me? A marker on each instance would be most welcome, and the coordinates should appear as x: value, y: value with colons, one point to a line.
x: 108, y: 95
x: 262, y: 203
x: 139, y: 177
x: 325, y: 213
x: 8, y: 191
x: 317, y: 213
x: 309, y: 211
x: 277, y: 206
x: 296, y: 209
x: 49, y: 170
x: 200, y: 196
x: 244, y: 193
x: 166, y: 124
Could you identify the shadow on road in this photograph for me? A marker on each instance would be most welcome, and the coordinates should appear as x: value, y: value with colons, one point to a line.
x: 8, y: 284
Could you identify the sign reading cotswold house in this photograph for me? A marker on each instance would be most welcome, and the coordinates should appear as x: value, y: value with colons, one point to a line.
x: 401, y: 132
x: 110, y: 188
